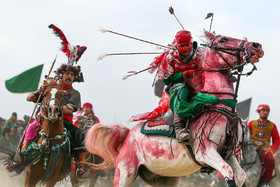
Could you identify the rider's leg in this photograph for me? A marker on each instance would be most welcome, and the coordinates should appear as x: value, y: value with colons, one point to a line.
x: 25, y: 145
x: 178, y: 101
x: 82, y: 172
x: 181, y: 128
x: 77, y: 138
x: 30, y: 135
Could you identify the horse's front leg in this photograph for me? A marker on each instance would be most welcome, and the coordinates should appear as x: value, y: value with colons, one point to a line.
x: 55, y: 176
x: 239, y: 174
x: 33, y: 174
x: 126, y: 167
x: 211, y: 157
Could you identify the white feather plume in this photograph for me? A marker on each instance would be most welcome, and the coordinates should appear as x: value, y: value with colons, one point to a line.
x: 104, y: 30
x: 102, y: 56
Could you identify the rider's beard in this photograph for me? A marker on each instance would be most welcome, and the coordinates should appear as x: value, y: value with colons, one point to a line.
x: 264, y: 117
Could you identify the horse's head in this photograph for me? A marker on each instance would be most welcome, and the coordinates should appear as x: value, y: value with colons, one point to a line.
x: 52, y: 105
x: 227, y: 52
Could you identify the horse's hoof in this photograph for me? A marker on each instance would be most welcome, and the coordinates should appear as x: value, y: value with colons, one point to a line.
x: 231, y: 183
x: 80, y: 182
x: 18, y: 171
x: 83, y: 174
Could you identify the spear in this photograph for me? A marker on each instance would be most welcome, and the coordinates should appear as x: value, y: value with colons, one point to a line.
x: 171, y: 10
x: 21, y: 141
x: 113, y: 54
x: 106, y: 30
x: 210, y: 14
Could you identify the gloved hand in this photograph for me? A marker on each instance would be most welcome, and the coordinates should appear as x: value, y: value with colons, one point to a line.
x: 47, y: 83
x: 189, y: 73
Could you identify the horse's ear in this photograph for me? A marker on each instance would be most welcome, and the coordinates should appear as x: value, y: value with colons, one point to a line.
x: 209, y: 36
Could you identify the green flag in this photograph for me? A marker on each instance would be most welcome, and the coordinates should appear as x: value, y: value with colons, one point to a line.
x: 27, y: 81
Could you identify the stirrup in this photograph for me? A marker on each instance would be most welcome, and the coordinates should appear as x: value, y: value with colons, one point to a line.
x: 85, y: 173
x: 186, y: 139
x: 17, y: 158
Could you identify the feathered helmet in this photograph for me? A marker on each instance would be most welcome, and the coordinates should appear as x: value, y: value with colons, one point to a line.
x: 263, y: 106
x: 73, y: 54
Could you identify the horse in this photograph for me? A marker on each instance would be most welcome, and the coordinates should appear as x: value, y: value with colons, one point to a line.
x: 85, y: 123
x: 160, y: 161
x: 251, y: 164
x: 48, y: 160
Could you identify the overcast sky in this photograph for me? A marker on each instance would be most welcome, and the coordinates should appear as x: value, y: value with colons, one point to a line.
x: 26, y: 41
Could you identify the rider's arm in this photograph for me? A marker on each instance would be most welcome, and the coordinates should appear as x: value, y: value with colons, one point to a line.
x: 250, y: 126
x: 33, y: 96
x: 68, y: 109
x: 275, y: 140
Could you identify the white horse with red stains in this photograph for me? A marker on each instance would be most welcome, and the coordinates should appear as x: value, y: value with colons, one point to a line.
x: 160, y: 161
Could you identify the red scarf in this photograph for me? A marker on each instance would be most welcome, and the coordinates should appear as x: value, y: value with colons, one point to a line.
x: 67, y: 116
x: 66, y: 87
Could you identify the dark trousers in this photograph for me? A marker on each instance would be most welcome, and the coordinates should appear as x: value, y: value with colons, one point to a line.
x: 77, y: 137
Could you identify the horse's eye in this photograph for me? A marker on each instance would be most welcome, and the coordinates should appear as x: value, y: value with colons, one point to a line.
x: 222, y: 40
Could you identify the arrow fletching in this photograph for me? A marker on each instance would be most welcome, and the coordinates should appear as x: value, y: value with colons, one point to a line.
x: 171, y: 10
x: 102, y: 56
x: 103, y: 30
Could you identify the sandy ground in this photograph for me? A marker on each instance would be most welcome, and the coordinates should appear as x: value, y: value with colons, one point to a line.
x: 10, y: 180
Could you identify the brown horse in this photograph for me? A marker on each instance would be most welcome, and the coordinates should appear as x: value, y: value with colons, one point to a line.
x: 47, y: 160
x: 84, y: 123
x: 53, y: 143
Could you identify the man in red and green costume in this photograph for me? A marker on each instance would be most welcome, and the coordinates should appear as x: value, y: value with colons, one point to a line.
x: 176, y: 67
x: 262, y: 131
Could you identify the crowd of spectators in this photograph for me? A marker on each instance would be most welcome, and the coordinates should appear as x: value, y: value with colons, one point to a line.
x: 11, y: 131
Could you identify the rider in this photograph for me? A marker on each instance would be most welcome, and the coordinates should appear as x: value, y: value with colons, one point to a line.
x: 176, y: 67
x: 262, y: 130
x: 88, y: 112
x: 66, y: 74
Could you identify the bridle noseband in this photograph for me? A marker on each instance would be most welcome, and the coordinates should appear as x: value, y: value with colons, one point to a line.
x: 237, y: 70
x: 60, y: 106
x: 227, y: 51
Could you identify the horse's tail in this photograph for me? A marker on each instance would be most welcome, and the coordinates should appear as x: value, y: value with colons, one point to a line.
x: 106, y: 142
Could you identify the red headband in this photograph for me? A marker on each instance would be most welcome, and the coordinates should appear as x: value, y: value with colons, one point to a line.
x: 88, y: 105
x: 183, y: 38
x: 266, y: 107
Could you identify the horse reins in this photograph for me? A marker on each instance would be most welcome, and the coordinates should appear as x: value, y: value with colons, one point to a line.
x: 226, y: 50
x: 56, y: 101
x: 239, y: 66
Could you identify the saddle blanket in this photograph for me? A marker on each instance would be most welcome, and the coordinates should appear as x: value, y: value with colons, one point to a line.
x: 157, y: 128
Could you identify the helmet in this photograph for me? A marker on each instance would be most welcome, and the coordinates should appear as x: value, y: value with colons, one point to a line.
x: 263, y: 106
x: 183, y: 37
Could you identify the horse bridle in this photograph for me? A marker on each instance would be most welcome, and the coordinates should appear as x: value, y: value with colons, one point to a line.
x: 238, y: 67
x: 227, y: 51
x: 60, y: 105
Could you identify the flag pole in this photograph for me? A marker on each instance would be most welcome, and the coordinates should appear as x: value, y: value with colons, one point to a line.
x: 21, y: 140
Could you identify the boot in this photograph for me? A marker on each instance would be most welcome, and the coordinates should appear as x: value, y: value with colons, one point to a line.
x: 181, y: 129
x: 81, y: 172
x: 17, y: 157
